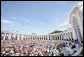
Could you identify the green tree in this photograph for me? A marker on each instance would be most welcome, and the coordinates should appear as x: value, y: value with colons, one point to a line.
x: 54, y: 32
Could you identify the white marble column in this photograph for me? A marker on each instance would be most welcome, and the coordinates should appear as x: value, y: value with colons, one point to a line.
x: 70, y: 35
x: 40, y: 38
x: 79, y: 36
x: 14, y: 36
x: 53, y: 37
x: 61, y: 37
x: 30, y: 37
x: 67, y: 36
x: 64, y: 36
x: 22, y: 37
x: 80, y: 24
x: 56, y: 37
x: 9, y: 36
x: 50, y: 37
x: 44, y: 37
x: 35, y: 37
x: 18, y: 37
x: 4, y: 36
x: 47, y: 37
x: 27, y: 37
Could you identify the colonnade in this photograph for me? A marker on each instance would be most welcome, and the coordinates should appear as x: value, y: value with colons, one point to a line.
x: 6, y: 35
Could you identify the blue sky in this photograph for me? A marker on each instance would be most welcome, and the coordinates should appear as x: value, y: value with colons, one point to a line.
x: 40, y: 17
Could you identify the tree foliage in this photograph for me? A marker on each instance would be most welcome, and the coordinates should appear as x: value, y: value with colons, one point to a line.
x: 54, y: 32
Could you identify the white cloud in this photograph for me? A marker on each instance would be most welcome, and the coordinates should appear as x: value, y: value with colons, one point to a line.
x: 11, y: 24
x: 64, y: 23
x: 8, y: 21
x: 14, y: 22
x: 5, y: 21
x: 24, y: 19
x: 13, y: 17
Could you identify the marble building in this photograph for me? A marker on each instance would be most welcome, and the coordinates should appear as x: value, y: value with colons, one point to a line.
x: 76, y: 21
x: 73, y: 33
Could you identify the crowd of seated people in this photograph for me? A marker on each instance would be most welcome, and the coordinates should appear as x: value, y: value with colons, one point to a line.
x: 31, y: 48
x: 69, y: 48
